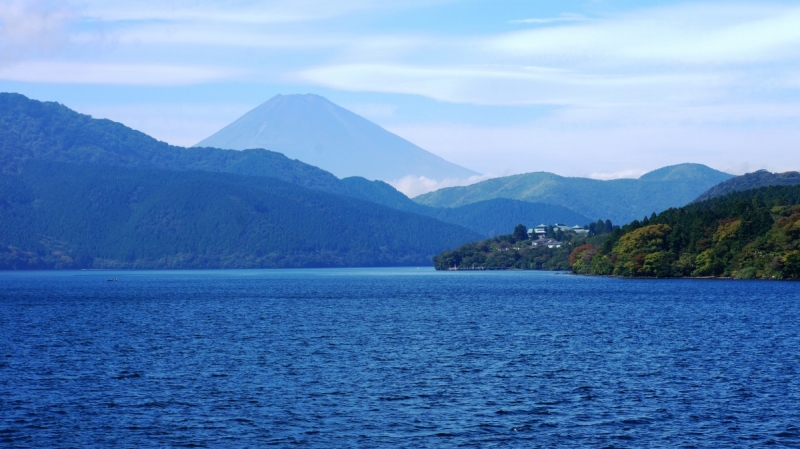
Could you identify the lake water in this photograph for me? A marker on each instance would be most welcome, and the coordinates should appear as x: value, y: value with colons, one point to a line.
x: 397, y: 358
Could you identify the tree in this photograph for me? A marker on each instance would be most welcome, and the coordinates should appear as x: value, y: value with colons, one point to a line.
x: 520, y: 232
x: 600, y: 227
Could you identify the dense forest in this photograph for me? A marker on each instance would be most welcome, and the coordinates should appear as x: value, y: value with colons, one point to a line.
x: 57, y: 215
x: 746, y: 234
x: 521, y: 251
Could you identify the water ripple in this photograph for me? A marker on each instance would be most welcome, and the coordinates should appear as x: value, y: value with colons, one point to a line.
x: 395, y: 357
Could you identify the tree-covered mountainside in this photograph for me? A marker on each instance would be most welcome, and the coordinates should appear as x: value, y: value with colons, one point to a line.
x: 57, y: 215
x: 746, y: 234
x: 47, y: 131
x: 520, y: 251
x: 621, y: 200
x: 761, y: 178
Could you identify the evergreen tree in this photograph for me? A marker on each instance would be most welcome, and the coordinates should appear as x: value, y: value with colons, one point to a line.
x: 520, y: 232
x: 600, y: 227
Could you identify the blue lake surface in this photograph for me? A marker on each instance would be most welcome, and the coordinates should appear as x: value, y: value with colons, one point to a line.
x: 395, y: 358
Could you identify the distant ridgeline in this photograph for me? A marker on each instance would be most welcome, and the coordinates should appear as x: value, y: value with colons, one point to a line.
x: 78, y: 192
x: 541, y: 248
x: 761, y: 178
x: 621, y: 200
x: 746, y: 234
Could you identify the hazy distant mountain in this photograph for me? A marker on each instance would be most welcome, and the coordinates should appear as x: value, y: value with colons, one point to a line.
x: 314, y: 130
x: 620, y: 200
x: 755, y: 180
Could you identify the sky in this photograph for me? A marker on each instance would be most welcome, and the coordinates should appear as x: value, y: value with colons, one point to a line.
x: 604, y: 89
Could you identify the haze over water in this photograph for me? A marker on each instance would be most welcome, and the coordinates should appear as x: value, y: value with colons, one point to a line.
x: 395, y: 357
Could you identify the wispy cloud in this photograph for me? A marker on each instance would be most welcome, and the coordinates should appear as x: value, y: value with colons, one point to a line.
x: 511, y: 85
x: 128, y: 74
x: 237, y: 11
x: 689, y: 34
x: 548, y: 20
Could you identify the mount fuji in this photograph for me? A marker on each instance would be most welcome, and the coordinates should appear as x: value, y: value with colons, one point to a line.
x: 316, y: 131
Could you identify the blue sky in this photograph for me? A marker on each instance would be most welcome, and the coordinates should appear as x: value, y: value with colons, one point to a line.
x: 580, y: 88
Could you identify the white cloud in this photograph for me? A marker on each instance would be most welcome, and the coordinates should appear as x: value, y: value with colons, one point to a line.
x: 692, y: 33
x: 31, y: 27
x: 102, y: 73
x: 412, y: 185
x: 631, y: 173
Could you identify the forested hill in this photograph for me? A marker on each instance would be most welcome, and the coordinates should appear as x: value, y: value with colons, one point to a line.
x: 621, y: 200
x: 761, y: 178
x: 57, y: 215
x: 747, y: 234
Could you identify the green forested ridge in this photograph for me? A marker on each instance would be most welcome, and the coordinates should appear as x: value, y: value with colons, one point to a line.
x: 57, y: 215
x: 515, y: 251
x: 745, y: 234
x: 621, y: 200
x: 761, y: 178
x: 33, y: 130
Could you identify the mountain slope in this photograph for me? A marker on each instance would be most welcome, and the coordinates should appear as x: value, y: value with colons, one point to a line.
x: 620, y: 200
x: 761, y: 178
x: 314, y: 130
x: 58, y: 215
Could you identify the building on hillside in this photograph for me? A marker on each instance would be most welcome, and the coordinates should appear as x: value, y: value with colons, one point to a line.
x: 549, y: 243
x: 538, y: 231
x: 579, y: 230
